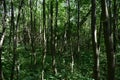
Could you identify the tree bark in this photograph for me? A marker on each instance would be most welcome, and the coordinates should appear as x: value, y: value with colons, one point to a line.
x: 114, y: 23
x: 2, y: 36
x: 15, y: 31
x: 94, y: 41
x: 13, y: 26
x: 108, y: 42
x: 78, y: 27
x: 45, y: 41
x: 52, y: 39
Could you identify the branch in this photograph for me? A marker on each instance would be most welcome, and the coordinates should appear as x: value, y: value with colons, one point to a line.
x: 4, y: 27
x: 85, y: 18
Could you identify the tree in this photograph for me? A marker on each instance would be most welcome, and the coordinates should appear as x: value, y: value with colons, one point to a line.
x: 45, y: 43
x: 2, y: 36
x: 114, y: 23
x: 78, y: 25
x: 15, y: 36
x: 108, y: 41
x: 94, y: 41
x: 59, y: 39
x: 52, y: 40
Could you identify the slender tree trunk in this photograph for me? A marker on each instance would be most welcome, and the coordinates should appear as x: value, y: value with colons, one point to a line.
x: 34, y: 36
x: 78, y: 29
x: 114, y: 23
x: 15, y: 31
x: 45, y: 41
x: 13, y: 26
x: 31, y: 31
x: 110, y: 14
x: 108, y: 42
x: 52, y: 39
x: 94, y: 41
x: 100, y: 32
x: 69, y: 37
x: 72, y: 55
x: 56, y: 33
x: 2, y: 37
x: 68, y: 21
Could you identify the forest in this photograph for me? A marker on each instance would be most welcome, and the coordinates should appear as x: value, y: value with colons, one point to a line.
x: 59, y: 39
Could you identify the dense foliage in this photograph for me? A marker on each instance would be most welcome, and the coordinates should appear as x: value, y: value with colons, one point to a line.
x: 52, y: 39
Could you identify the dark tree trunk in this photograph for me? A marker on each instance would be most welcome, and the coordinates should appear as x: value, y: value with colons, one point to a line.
x: 15, y: 31
x: 68, y: 21
x: 31, y: 32
x: 34, y: 36
x: 94, y: 41
x: 110, y: 14
x: 100, y: 32
x: 52, y: 39
x: 13, y: 26
x: 56, y: 33
x: 45, y: 41
x: 78, y: 28
x: 108, y: 42
x: 114, y: 23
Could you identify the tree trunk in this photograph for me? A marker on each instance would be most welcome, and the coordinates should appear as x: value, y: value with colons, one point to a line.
x: 31, y: 32
x: 94, y: 41
x: 114, y: 23
x: 13, y: 26
x: 2, y: 37
x: 108, y: 42
x: 15, y: 31
x: 45, y: 41
x: 52, y: 39
x: 78, y: 28
x: 56, y: 33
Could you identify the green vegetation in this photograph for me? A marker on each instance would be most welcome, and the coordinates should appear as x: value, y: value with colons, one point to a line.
x: 59, y: 40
